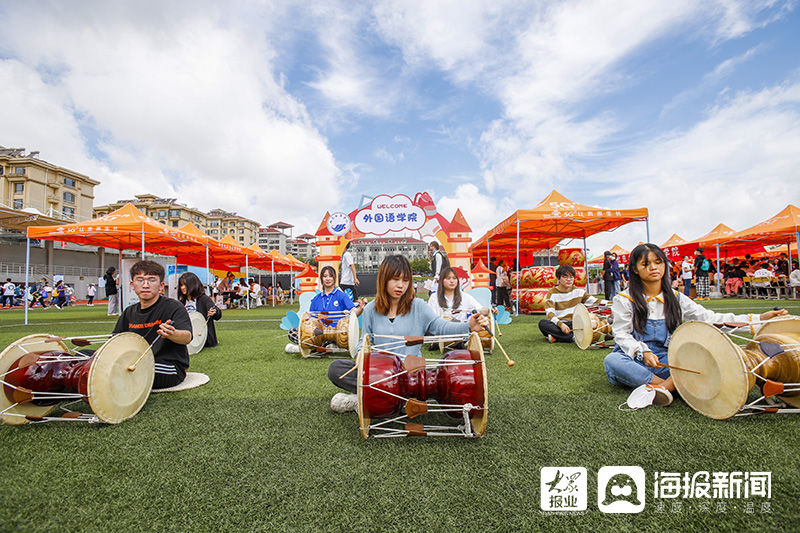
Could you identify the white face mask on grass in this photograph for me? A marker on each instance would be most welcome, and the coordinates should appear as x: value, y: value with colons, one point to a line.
x: 639, y: 398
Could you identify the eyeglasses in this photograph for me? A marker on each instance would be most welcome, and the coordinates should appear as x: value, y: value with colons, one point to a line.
x: 150, y: 280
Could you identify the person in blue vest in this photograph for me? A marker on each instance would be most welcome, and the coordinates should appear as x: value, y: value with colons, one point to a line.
x: 332, y: 300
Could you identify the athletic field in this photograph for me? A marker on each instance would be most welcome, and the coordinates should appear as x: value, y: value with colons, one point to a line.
x: 258, y: 449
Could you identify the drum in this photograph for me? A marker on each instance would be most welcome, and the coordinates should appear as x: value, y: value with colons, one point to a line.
x: 725, y: 372
x: 318, y: 336
x: 588, y: 328
x: 39, y: 372
x: 571, y: 256
x: 400, y: 389
x: 199, y: 332
x: 487, y: 339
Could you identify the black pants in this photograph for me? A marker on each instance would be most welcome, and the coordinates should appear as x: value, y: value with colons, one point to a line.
x: 548, y: 328
x: 339, y: 367
x: 352, y: 289
x: 502, y: 297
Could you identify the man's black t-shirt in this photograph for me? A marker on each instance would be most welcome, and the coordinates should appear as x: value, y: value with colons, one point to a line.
x: 146, y: 322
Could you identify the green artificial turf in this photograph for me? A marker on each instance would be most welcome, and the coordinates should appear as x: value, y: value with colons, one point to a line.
x: 258, y: 448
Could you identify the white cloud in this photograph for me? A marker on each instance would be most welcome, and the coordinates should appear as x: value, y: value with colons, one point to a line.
x: 738, y: 166
x: 182, y: 105
x: 481, y: 211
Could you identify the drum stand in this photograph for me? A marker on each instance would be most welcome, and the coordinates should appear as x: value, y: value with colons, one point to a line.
x: 402, y: 425
x: 49, y: 396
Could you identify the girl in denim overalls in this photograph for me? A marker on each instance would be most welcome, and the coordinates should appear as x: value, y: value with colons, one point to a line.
x: 645, y: 316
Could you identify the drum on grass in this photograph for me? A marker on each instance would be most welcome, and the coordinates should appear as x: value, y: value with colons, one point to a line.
x: 199, y: 332
x: 588, y: 328
x: 39, y: 373
x: 393, y: 391
x: 724, y: 372
x: 321, y: 334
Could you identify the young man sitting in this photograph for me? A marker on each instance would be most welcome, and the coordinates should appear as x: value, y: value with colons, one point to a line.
x: 155, y: 316
x: 560, y: 304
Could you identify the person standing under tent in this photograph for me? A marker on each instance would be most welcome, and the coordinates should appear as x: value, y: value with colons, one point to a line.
x: 91, y: 292
x: 111, y: 291
x: 8, y: 293
x: 347, y: 270
x: 702, y: 266
x: 686, y: 274
x: 493, y: 278
x: 503, y: 282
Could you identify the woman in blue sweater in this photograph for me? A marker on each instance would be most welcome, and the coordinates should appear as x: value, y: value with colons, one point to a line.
x: 394, y: 312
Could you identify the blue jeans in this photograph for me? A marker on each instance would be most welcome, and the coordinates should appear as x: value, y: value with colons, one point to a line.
x: 687, y: 286
x: 624, y: 371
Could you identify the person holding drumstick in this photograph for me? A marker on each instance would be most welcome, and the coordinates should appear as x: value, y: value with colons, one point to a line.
x: 394, y: 311
x: 646, y: 315
x: 448, y: 301
x: 162, y: 321
x: 560, y: 306
x: 194, y: 298
x: 332, y: 299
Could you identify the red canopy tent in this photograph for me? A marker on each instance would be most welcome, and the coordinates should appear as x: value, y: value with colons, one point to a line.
x: 623, y: 256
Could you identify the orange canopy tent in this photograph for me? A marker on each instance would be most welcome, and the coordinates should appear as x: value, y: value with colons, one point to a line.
x: 779, y: 229
x: 714, y: 245
x: 124, y: 229
x: 622, y: 256
x: 555, y: 218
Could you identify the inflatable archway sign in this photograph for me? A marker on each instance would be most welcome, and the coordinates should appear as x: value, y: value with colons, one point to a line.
x: 387, y: 214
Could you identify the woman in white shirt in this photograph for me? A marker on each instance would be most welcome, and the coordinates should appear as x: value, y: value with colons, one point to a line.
x: 449, y: 302
x: 645, y: 316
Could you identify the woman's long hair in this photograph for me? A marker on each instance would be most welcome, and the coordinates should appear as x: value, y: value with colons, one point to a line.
x: 456, y: 294
x: 394, y: 266
x: 194, y: 287
x: 672, y: 310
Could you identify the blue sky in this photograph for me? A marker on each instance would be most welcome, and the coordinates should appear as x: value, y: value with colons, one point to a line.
x: 282, y: 110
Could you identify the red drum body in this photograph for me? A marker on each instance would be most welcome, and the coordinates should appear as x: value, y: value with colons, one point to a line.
x: 571, y: 256
x: 580, y: 277
x: 544, y: 277
x: 452, y: 385
x: 397, y: 390
x: 56, y: 376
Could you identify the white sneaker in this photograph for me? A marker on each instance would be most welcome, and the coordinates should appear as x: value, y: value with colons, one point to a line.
x: 343, y: 402
x: 291, y: 348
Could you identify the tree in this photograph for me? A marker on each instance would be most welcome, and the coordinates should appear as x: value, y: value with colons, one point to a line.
x: 421, y: 266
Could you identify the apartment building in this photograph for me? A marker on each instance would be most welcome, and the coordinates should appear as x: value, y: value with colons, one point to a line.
x: 166, y: 210
x: 220, y: 223
x: 28, y: 182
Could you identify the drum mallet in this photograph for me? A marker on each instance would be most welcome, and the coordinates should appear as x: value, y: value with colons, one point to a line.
x: 510, y: 362
x: 133, y: 366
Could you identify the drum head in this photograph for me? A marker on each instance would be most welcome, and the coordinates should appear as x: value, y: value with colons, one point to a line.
x: 305, y: 350
x: 15, y: 350
x: 352, y: 333
x: 476, y: 350
x: 781, y: 326
x: 720, y: 389
x: 199, y: 332
x: 362, y: 363
x: 582, y: 329
x: 786, y: 327
x: 116, y: 393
